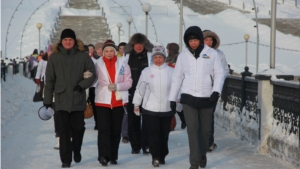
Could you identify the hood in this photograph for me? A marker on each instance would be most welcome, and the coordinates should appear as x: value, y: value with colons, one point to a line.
x: 79, y: 44
x: 196, y: 30
x: 138, y: 38
x: 215, y: 37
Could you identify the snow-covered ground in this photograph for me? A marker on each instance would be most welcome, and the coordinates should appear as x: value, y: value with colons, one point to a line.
x: 230, y: 25
x: 27, y: 142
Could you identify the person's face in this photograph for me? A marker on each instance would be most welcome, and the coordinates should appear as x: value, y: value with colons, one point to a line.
x: 91, y: 49
x: 49, y: 53
x: 121, y: 49
x: 68, y: 43
x: 158, y: 60
x: 99, y: 52
x: 42, y: 53
x: 208, y: 41
x: 109, y: 53
x: 138, y: 47
x: 194, y: 43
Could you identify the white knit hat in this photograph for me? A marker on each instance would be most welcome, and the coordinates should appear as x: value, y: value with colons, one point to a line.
x: 159, y: 50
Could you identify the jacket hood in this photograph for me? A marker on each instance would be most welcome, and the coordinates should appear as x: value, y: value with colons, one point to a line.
x: 138, y: 38
x: 79, y: 44
x: 196, y: 30
x: 215, y: 37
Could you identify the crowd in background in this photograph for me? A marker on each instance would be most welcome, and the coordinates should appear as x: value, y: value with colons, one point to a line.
x: 135, y: 89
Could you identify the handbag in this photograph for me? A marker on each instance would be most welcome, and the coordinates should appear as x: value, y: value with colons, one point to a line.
x: 88, y: 113
x: 38, y: 95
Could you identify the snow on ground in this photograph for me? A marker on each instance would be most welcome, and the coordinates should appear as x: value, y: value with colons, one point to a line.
x: 230, y: 25
x: 27, y: 142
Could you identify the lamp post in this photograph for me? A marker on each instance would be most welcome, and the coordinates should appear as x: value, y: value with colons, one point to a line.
x: 180, y: 26
x: 129, y: 19
x: 119, y: 25
x: 39, y: 26
x: 146, y: 8
x: 246, y: 37
x: 257, y: 36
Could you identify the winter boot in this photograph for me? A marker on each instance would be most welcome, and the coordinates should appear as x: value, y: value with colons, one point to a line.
x: 203, y: 161
x: 212, y: 147
x: 155, y: 163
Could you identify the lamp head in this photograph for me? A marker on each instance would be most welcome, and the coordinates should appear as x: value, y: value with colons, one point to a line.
x: 129, y: 19
x: 246, y: 37
x: 39, y: 25
x: 146, y: 7
x: 119, y: 24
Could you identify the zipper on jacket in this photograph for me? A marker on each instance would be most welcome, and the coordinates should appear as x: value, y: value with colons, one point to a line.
x: 160, y: 89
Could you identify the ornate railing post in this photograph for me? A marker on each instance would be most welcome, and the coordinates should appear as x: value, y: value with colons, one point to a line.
x: 244, y: 74
x: 3, y: 70
x: 230, y: 70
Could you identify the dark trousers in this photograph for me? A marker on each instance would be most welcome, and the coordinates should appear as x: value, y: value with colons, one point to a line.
x: 198, y: 122
x: 158, y: 135
x: 92, y: 100
x: 70, y: 125
x: 211, y: 139
x: 55, y: 119
x: 109, y: 131
x: 138, y: 133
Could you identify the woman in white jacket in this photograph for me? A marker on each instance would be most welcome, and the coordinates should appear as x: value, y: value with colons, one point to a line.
x: 111, y: 95
x: 152, y: 90
x: 199, y: 76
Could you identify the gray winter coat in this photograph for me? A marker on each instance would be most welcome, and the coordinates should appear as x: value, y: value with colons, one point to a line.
x: 64, y: 71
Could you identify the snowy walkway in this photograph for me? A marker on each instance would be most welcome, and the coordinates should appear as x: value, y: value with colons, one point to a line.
x: 27, y: 142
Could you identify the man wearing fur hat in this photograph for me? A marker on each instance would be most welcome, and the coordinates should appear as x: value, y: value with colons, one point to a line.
x: 199, y: 76
x: 64, y: 78
x: 138, y: 57
x: 212, y: 40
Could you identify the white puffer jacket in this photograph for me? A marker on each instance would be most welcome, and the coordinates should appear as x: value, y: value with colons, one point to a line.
x: 153, y: 88
x: 197, y: 77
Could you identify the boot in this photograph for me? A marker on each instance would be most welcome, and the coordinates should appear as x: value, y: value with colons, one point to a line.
x: 57, y: 144
x: 77, y: 147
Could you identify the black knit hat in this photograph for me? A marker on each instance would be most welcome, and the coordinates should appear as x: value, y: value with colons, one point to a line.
x: 193, y: 36
x: 35, y: 51
x: 67, y: 33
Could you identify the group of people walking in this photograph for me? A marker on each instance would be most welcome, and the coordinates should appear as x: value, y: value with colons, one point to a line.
x: 138, y: 85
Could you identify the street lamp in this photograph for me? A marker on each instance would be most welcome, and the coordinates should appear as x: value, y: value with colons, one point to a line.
x: 119, y: 25
x: 246, y: 37
x: 129, y: 19
x: 146, y: 8
x: 39, y: 26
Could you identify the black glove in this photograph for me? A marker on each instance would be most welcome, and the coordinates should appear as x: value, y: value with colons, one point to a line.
x: 78, y: 89
x: 214, y: 97
x: 173, y: 106
x: 48, y: 105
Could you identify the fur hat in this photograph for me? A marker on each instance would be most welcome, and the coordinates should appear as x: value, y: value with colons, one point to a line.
x: 138, y: 38
x: 214, y: 36
x: 99, y: 45
x: 68, y: 33
x: 49, y: 49
x: 109, y: 44
x: 159, y: 50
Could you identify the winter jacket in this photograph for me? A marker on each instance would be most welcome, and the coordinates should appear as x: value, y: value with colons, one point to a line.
x: 153, y: 89
x: 215, y: 45
x: 197, y: 77
x: 64, y: 71
x: 41, y: 69
x: 122, y: 79
x: 95, y: 59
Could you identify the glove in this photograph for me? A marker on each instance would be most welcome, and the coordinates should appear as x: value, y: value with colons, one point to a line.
x: 78, y: 88
x: 173, y: 106
x: 136, y: 110
x: 214, y: 97
x: 48, y: 106
x: 37, y: 81
x: 112, y: 87
x: 87, y: 74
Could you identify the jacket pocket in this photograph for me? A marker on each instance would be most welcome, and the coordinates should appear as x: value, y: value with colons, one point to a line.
x: 59, y: 93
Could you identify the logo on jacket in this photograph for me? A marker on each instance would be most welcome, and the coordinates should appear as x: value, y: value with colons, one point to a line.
x: 122, y: 70
x: 152, y: 76
x: 205, y: 56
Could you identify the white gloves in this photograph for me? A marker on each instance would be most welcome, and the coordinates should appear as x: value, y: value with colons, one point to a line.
x: 112, y: 87
x: 87, y: 74
x: 136, y: 110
